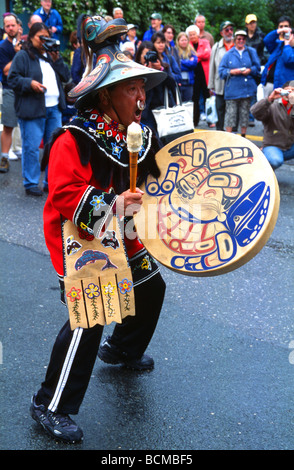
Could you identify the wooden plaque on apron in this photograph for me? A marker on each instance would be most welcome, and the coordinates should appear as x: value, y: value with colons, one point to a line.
x: 98, y: 280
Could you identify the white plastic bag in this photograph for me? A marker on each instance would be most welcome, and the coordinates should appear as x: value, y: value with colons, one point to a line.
x: 260, y: 92
x: 189, y: 106
x: 210, y: 110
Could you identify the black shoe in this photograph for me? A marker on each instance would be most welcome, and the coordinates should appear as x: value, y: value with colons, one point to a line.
x: 4, y: 165
x: 58, y: 425
x: 112, y: 355
x: 34, y: 191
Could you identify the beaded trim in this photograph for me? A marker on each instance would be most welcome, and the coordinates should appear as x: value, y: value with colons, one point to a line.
x: 110, y: 136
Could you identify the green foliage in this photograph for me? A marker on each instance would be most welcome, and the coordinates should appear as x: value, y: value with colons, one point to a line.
x: 178, y: 13
x: 137, y: 12
x: 284, y: 8
x: 236, y: 11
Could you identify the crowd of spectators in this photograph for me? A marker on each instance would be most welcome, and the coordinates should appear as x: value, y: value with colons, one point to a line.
x: 231, y: 68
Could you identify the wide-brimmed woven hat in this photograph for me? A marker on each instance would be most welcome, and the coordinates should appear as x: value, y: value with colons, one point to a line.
x: 112, y: 66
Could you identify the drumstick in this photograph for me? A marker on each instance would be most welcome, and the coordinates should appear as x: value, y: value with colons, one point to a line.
x: 134, y: 144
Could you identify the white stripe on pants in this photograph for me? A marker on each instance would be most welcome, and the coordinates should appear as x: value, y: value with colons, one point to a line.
x: 77, y: 334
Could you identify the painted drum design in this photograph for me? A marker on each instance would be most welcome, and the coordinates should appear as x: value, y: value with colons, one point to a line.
x: 214, y: 206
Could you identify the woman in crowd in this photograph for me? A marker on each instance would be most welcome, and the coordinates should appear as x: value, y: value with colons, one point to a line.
x: 188, y: 62
x: 203, y: 51
x: 238, y: 68
x: 36, y: 77
x: 131, y: 37
x: 159, y: 42
x: 148, y: 56
x: 169, y: 34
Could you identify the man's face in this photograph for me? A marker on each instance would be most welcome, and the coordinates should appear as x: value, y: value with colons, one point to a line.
x: 46, y: 4
x: 290, y: 97
x: 227, y: 33
x: 251, y: 26
x: 155, y: 24
x: 10, y: 26
x: 124, y: 98
x: 284, y: 24
x: 200, y: 22
x: 283, y: 27
x: 118, y: 14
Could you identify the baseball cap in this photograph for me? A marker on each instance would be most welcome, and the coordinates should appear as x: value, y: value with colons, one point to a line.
x: 224, y: 24
x: 155, y: 16
x: 240, y: 32
x: 250, y: 18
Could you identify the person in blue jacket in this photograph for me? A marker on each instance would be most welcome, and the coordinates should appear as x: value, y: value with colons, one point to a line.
x: 156, y: 25
x: 159, y: 41
x: 51, y: 18
x: 238, y: 68
x: 280, y: 66
x: 189, y: 62
x: 155, y: 96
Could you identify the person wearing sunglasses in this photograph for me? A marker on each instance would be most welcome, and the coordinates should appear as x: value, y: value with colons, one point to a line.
x: 238, y: 68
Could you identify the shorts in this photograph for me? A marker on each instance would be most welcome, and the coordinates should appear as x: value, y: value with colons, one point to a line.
x: 234, y: 108
x: 8, y: 115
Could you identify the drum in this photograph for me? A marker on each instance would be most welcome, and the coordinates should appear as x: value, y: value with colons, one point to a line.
x: 213, y: 207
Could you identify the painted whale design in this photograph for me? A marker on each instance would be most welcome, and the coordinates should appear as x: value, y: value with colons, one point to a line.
x: 90, y: 256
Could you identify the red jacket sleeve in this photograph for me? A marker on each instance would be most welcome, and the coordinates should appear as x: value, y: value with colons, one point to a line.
x: 74, y: 194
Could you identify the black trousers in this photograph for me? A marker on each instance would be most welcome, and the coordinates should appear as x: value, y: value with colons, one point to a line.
x: 74, y: 352
x: 221, y: 110
x: 199, y: 85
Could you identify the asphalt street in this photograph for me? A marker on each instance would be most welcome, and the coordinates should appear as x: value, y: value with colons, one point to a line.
x: 223, y: 348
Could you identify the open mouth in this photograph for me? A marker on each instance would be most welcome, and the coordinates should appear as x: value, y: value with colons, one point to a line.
x: 138, y: 115
x: 139, y: 109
